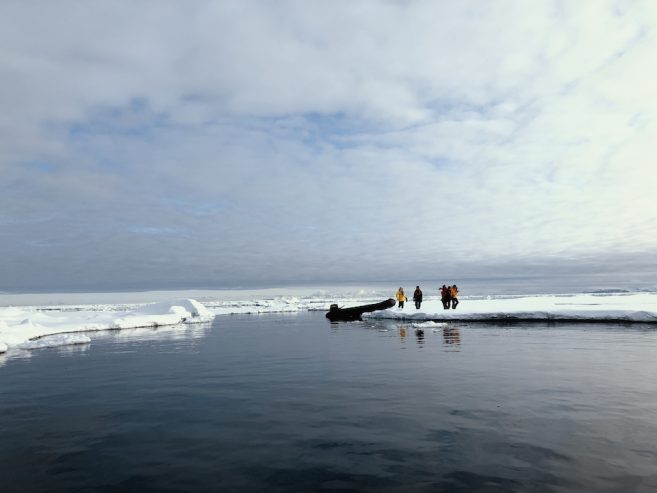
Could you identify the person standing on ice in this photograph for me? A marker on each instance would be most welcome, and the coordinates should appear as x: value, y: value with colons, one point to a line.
x: 454, y: 292
x: 417, y: 297
x: 445, y: 297
x: 401, y: 297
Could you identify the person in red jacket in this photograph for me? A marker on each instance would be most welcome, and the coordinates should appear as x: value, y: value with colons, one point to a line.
x: 454, y: 292
x: 445, y: 297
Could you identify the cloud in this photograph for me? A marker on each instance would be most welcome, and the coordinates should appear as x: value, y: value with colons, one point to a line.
x: 250, y: 141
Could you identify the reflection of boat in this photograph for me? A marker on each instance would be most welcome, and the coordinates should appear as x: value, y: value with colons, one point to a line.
x: 355, y: 312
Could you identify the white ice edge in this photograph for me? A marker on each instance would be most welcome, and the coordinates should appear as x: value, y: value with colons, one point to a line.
x: 55, y: 341
x: 29, y: 328
x: 429, y: 325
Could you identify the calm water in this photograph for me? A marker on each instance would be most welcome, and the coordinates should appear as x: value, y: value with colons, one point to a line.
x: 282, y: 403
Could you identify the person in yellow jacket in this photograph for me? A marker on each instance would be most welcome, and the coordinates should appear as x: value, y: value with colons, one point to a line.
x: 454, y: 291
x: 401, y: 297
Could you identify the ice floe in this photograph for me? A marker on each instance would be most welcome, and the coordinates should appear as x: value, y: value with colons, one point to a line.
x: 31, y: 327
x: 585, y: 308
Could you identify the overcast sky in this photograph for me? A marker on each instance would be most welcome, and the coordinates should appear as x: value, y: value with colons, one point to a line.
x: 162, y: 143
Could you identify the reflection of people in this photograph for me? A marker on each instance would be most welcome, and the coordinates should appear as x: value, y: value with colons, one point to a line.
x: 402, y: 332
x: 445, y: 297
x: 451, y: 336
x: 417, y: 297
x: 401, y: 297
x: 454, y: 292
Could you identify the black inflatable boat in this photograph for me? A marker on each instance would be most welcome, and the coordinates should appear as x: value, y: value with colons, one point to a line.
x: 355, y: 312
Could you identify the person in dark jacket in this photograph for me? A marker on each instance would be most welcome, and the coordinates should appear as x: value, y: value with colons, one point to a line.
x: 417, y: 297
x: 445, y: 297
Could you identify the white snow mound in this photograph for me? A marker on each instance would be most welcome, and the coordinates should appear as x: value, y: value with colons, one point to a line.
x: 165, y: 313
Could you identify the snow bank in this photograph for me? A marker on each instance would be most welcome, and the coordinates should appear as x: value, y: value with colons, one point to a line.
x: 29, y: 328
x: 582, y: 308
x: 165, y: 313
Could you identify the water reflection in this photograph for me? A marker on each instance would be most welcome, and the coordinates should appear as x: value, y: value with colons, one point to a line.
x: 73, y: 349
x: 402, y: 333
x: 419, y: 334
x: 167, y: 333
x: 452, y: 337
x: 14, y: 353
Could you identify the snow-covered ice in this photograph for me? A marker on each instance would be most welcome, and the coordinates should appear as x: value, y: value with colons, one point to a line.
x: 31, y: 327
x: 583, y: 307
x: 28, y: 327
x: 623, y: 307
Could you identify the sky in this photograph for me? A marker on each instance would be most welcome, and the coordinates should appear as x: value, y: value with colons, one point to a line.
x: 165, y: 144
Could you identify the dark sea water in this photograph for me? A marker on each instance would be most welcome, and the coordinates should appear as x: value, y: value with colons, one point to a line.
x: 292, y: 403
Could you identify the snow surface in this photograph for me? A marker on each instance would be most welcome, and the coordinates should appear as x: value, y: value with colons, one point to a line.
x: 583, y: 307
x: 622, y: 307
x: 32, y: 327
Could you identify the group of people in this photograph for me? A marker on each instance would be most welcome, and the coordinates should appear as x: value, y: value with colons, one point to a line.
x: 448, y: 295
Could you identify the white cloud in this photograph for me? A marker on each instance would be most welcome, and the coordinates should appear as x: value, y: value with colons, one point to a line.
x: 377, y: 138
